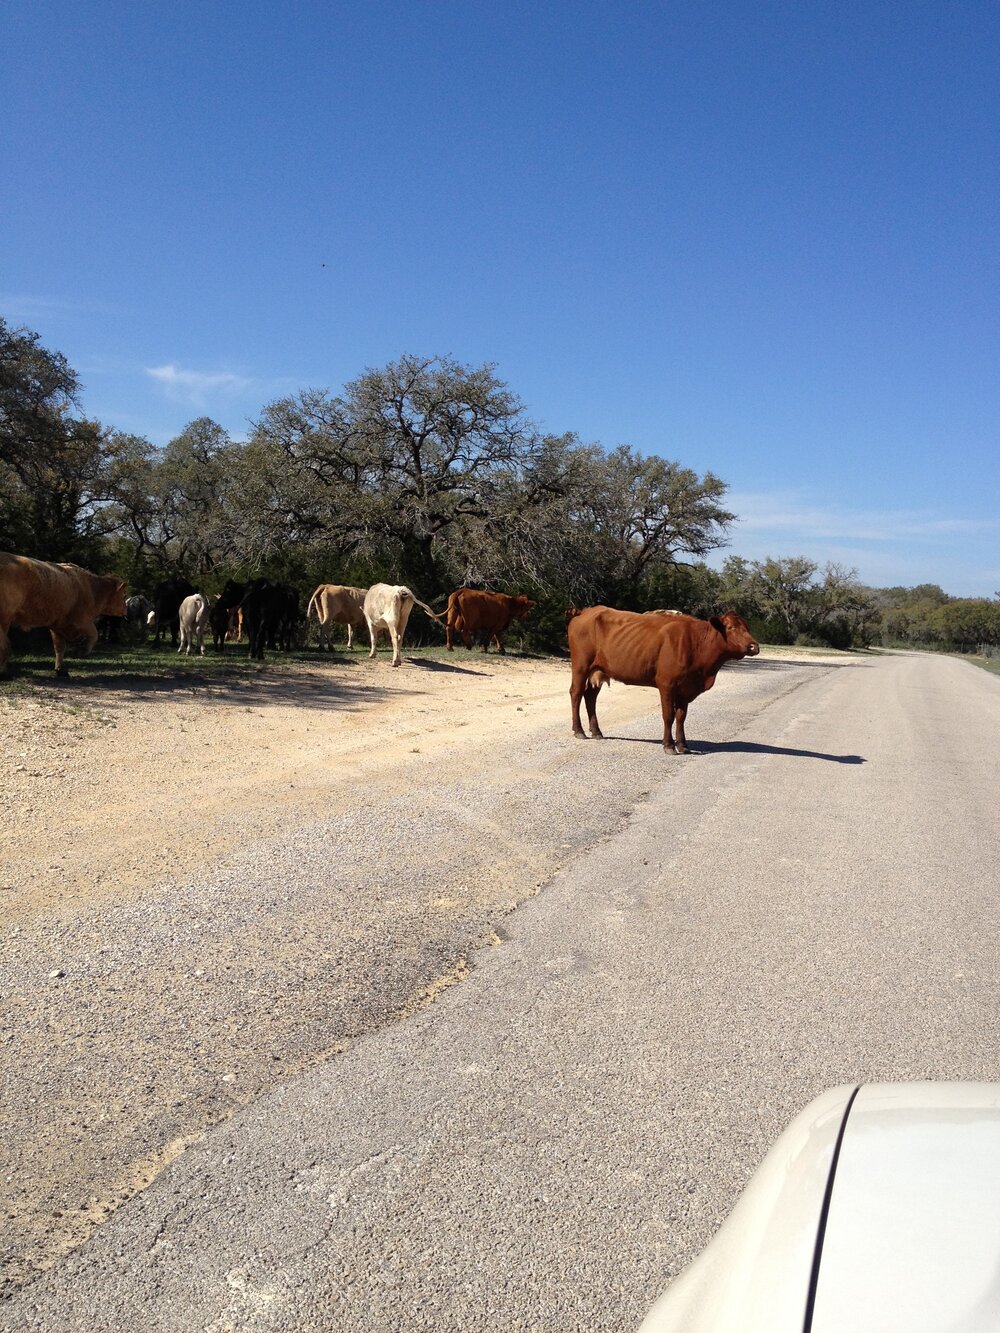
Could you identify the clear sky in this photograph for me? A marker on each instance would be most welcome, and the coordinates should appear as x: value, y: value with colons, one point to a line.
x: 758, y: 238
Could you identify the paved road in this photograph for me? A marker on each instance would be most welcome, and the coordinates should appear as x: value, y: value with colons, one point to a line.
x: 810, y: 900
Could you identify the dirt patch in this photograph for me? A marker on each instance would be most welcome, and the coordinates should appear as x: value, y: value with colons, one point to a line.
x: 105, y: 792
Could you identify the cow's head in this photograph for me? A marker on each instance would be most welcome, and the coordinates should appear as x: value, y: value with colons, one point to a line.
x: 522, y: 607
x: 112, y: 595
x: 735, y: 630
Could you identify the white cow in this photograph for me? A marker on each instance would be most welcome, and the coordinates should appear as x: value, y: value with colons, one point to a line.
x: 194, y: 622
x: 388, y: 607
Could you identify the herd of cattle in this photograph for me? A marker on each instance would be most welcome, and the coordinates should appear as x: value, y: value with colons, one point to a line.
x: 268, y: 614
x: 677, y: 654
x: 69, y: 601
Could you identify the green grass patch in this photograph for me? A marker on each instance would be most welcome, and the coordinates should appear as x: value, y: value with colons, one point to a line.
x: 987, y: 663
x: 132, y: 665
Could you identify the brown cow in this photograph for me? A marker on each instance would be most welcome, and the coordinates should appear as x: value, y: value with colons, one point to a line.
x: 337, y: 604
x: 65, y: 599
x: 486, y: 613
x: 680, y: 655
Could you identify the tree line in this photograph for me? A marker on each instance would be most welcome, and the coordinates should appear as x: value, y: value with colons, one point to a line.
x: 426, y: 472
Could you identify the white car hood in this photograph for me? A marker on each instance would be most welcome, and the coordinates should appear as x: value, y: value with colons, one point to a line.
x: 909, y: 1231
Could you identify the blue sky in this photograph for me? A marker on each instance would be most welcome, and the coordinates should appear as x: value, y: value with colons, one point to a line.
x: 760, y: 239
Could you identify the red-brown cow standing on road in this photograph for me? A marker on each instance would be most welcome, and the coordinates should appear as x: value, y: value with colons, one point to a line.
x: 65, y: 599
x: 489, y: 614
x: 680, y: 655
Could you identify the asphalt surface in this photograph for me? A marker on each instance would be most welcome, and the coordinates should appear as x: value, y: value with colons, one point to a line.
x: 809, y: 900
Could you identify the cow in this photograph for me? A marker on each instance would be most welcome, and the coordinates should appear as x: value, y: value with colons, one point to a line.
x: 64, y: 599
x: 488, y: 614
x: 137, y: 612
x: 225, y: 615
x: 167, y: 598
x: 193, y: 616
x: 680, y: 655
x: 270, y: 611
x: 337, y: 604
x: 388, y: 607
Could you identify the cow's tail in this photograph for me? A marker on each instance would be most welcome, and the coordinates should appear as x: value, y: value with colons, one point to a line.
x: 434, y: 615
x: 313, y: 604
x: 573, y: 611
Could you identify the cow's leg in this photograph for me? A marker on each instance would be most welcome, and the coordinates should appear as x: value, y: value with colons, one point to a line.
x: 90, y: 640
x: 396, y: 637
x: 576, y: 690
x: 667, y: 708
x: 4, y: 648
x: 590, y: 694
x: 350, y: 636
x: 499, y: 643
x: 680, y: 713
x: 374, y: 636
x: 59, y: 648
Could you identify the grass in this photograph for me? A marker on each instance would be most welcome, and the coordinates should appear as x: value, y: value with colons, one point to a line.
x: 987, y: 663
x: 127, y: 664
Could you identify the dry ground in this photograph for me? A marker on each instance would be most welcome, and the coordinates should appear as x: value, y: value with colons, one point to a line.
x: 128, y: 999
x: 105, y: 791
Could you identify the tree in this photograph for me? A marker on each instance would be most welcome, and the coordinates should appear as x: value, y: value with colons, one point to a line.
x: 50, y: 460
x: 400, y: 464
x: 434, y: 438
x: 782, y: 590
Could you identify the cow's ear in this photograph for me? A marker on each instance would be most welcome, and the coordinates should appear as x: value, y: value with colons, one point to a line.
x: 718, y: 624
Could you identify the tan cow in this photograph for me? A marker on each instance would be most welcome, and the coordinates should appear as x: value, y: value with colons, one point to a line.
x: 64, y: 599
x: 388, y: 606
x: 337, y: 604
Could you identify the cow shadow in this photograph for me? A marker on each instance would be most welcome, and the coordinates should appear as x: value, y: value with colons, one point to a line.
x: 430, y: 664
x: 754, y: 747
x: 747, y: 747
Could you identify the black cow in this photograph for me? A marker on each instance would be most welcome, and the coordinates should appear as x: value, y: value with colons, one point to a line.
x: 270, y: 612
x: 167, y: 600
x: 137, y: 611
x: 229, y: 599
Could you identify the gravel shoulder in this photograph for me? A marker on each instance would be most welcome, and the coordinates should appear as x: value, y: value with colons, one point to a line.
x: 207, y: 888
x: 807, y: 901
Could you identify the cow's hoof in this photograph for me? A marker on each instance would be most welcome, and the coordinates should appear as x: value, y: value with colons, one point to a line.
x: 61, y: 673
x: 579, y: 735
x: 597, y: 735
